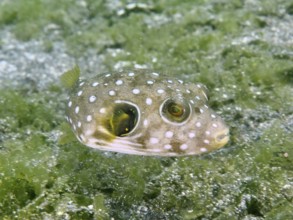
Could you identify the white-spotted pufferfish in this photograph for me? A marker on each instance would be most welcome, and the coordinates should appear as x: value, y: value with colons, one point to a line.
x: 144, y: 112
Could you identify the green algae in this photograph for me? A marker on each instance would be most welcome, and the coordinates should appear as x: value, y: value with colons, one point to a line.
x: 44, y: 174
x: 70, y: 78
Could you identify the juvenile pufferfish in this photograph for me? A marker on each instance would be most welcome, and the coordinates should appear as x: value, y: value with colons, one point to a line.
x: 146, y: 113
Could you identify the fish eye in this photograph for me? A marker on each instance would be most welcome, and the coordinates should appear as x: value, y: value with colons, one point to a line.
x: 175, y: 111
x: 123, y: 119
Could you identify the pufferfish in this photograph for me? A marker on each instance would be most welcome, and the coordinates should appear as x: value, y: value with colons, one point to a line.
x: 144, y: 112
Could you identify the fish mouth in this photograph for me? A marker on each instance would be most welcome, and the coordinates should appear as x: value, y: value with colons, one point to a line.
x: 222, y: 138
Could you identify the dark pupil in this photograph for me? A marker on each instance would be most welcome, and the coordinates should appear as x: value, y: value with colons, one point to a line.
x: 123, y: 120
x: 176, y: 110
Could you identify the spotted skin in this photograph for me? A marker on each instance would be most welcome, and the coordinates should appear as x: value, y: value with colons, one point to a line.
x: 145, y: 113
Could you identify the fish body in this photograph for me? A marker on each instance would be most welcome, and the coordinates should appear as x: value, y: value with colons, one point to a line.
x: 145, y: 113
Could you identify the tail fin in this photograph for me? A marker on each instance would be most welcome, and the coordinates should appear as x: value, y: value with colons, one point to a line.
x: 70, y: 77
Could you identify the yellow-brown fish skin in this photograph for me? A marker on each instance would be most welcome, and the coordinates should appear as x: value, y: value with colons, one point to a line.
x: 145, y: 113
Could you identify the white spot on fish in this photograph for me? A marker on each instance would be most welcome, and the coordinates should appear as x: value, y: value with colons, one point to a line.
x: 95, y: 84
x: 88, y: 132
x: 160, y: 91
x: 92, y: 98
x: 79, y: 124
x: 214, y: 125
x: 183, y: 147
x: 169, y: 134
x: 81, y: 84
x: 131, y: 74
x: 148, y: 101
x: 145, y: 122
x: 89, y: 118
x: 206, y: 141
x: 135, y: 91
x: 76, y: 109
x: 102, y: 110
x: 119, y: 82
x: 150, y: 82
x: 167, y: 146
x: 191, y: 134
x: 79, y: 93
x: 203, y: 149
x: 112, y: 93
x: 155, y: 74
x: 69, y: 104
x: 198, y: 124
x: 154, y: 140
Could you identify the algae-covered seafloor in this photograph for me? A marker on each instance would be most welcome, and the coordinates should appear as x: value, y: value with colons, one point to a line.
x: 242, y: 51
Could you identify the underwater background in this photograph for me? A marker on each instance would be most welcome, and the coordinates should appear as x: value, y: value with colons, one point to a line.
x: 242, y: 50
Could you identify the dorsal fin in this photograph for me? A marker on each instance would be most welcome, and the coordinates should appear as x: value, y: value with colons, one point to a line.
x: 70, y: 77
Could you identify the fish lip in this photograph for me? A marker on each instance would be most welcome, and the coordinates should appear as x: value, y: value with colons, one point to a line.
x: 222, y: 138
